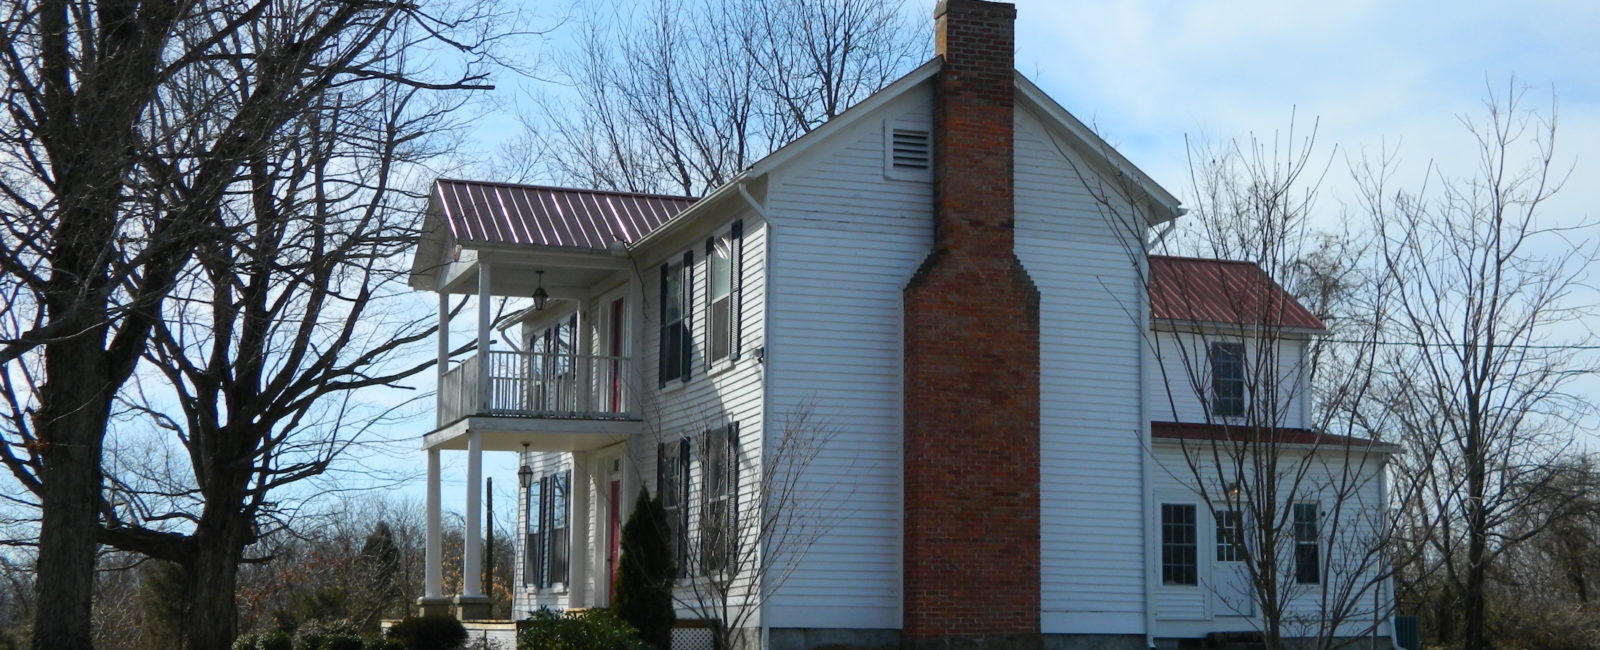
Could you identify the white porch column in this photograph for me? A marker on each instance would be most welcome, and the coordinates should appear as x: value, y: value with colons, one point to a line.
x: 484, y: 389
x: 433, y: 600
x: 578, y: 561
x: 472, y: 551
x: 434, y: 556
x: 443, y: 362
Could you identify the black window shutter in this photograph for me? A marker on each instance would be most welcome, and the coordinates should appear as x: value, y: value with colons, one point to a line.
x: 661, y: 466
x: 541, y: 574
x: 661, y: 341
x: 733, y: 492
x: 736, y: 299
x: 683, y: 510
x: 688, y: 322
x: 566, y: 528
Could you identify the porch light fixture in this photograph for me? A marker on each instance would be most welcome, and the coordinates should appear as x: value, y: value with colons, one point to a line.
x: 540, y: 296
x: 525, y: 473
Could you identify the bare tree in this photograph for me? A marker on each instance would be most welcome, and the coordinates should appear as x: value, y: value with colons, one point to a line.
x: 681, y: 97
x: 128, y: 127
x: 754, y: 521
x: 1489, y: 305
x: 1298, y: 503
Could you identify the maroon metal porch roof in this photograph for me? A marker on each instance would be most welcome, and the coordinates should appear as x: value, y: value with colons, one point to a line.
x: 1222, y: 291
x: 506, y: 213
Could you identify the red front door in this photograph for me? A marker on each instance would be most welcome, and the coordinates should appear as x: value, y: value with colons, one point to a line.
x: 614, y: 534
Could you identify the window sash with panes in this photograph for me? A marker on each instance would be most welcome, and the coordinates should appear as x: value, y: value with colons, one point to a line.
x: 719, y: 488
x: 672, y: 485
x: 723, y: 254
x: 1230, y: 536
x: 559, y: 514
x: 1227, y: 380
x: 547, y: 542
x: 1180, y: 545
x: 1307, y: 545
x: 675, y: 342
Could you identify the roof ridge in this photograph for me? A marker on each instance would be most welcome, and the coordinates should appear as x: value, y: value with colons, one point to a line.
x: 529, y: 186
x: 1191, y: 258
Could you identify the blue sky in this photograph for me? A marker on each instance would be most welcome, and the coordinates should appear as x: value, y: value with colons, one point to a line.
x: 1373, y: 75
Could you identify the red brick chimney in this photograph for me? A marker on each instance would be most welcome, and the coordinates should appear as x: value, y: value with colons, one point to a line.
x: 971, y: 560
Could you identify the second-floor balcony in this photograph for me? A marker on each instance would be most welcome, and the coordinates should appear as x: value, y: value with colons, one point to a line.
x: 537, y: 385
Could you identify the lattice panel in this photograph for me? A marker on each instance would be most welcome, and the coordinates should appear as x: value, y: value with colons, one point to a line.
x: 692, y: 638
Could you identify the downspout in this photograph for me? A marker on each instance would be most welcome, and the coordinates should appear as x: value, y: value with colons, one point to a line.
x: 1144, y: 456
x: 766, y: 353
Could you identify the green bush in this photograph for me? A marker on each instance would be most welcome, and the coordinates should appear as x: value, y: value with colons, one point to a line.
x: 429, y: 633
x: 263, y: 641
x: 382, y: 644
x: 595, y: 629
x: 645, y: 573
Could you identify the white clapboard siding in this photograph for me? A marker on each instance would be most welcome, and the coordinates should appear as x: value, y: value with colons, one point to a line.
x: 1092, y: 502
x: 1190, y: 611
x: 708, y: 400
x: 846, y: 240
x: 1179, y: 380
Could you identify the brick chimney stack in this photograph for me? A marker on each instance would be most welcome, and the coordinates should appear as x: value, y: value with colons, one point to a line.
x: 971, y: 529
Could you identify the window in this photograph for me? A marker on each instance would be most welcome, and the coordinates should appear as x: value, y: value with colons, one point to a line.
x: 1307, y: 556
x: 1230, y: 536
x: 719, y: 477
x: 559, y: 536
x: 533, y: 540
x: 1227, y: 380
x: 546, y: 545
x: 1180, y: 557
x: 723, y: 254
x: 554, y: 373
x: 672, y: 484
x: 675, y: 343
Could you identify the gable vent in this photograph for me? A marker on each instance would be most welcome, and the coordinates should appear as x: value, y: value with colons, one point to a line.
x: 907, y: 151
x: 911, y: 148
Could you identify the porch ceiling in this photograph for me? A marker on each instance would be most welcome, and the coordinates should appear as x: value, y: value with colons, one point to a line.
x: 539, y: 434
x: 516, y: 273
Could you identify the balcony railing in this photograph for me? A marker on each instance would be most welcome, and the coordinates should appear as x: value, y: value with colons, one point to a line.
x: 538, y: 385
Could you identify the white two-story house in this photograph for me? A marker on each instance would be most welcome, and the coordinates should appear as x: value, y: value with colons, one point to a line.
x: 911, y: 380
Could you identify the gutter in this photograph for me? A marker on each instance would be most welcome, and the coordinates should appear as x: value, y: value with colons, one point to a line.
x: 766, y: 355
x: 1146, y: 449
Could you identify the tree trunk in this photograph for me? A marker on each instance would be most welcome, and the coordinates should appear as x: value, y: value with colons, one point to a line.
x: 74, y: 408
x: 211, y: 615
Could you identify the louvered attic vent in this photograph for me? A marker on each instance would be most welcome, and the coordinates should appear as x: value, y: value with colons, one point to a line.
x: 908, y: 153
x: 911, y: 149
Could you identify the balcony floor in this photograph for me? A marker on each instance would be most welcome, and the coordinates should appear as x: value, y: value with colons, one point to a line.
x: 502, y: 433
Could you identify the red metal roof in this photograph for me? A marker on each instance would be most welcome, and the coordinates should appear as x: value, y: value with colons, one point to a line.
x: 505, y: 213
x: 1222, y: 291
x: 1240, y: 433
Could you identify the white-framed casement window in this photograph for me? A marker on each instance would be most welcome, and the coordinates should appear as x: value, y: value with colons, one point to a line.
x: 676, y: 343
x: 724, y: 254
x: 1307, y: 543
x: 719, y: 484
x: 1227, y: 379
x: 672, y: 484
x: 1180, y: 544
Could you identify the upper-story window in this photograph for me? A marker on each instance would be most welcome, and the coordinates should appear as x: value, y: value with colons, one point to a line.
x: 723, y: 255
x: 675, y: 343
x: 1227, y: 380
